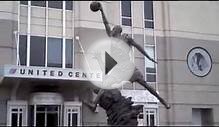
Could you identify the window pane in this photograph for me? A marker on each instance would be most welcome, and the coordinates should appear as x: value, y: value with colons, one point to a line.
x: 126, y: 8
x: 52, y: 119
x: 14, y: 109
x: 147, y: 121
x: 24, y: 2
x: 126, y: 22
x: 151, y: 120
x: 69, y: 53
x: 151, y: 78
x: 20, y: 119
x: 74, y: 119
x: 14, y: 119
x: 150, y: 70
x: 41, y: 108
x: 23, y: 49
x: 31, y: 115
x: 38, y: 3
x: 40, y: 119
x: 69, y: 119
x: 54, y: 51
x: 150, y: 52
x: 55, y: 4
x: 37, y: 51
x: 148, y: 10
x: 52, y: 108
x: 68, y: 5
x: 149, y: 24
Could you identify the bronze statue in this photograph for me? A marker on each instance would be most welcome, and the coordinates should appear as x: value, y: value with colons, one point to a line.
x: 110, y: 99
x: 119, y: 109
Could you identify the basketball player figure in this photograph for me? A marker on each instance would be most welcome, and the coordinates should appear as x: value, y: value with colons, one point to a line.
x: 137, y: 76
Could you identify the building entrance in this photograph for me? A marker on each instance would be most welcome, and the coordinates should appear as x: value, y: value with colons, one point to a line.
x: 44, y: 109
x: 45, y: 115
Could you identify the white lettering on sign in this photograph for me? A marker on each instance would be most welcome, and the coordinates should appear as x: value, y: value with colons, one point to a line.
x: 49, y: 73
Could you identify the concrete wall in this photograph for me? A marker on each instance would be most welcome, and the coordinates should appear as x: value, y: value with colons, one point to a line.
x: 187, y: 25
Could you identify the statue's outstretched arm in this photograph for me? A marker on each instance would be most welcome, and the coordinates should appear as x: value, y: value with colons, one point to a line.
x: 132, y: 42
x: 105, y: 22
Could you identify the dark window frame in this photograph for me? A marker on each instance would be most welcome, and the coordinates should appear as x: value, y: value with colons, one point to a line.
x: 67, y: 3
x: 126, y: 13
x: 36, y: 52
x: 69, y: 54
x: 53, y: 4
x: 24, y: 2
x: 38, y: 4
x: 23, y: 49
x: 59, y: 62
x: 148, y: 14
x: 150, y: 72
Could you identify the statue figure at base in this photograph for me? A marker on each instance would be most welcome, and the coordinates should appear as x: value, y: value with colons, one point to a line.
x: 118, y: 108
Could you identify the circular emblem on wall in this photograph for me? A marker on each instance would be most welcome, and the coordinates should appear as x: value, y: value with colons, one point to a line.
x: 199, y: 61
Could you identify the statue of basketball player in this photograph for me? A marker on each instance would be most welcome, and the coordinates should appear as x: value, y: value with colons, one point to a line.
x: 137, y: 76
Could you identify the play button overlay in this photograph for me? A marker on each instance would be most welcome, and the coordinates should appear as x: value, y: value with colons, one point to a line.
x: 113, y: 58
x: 110, y: 63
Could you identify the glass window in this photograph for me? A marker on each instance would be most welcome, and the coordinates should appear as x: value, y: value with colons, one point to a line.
x: 69, y: 119
x: 148, y: 14
x: 54, y: 52
x: 16, y: 117
x: 126, y: 8
x: 68, y: 5
x: 152, y: 119
x: 150, y: 66
x: 69, y: 53
x: 23, y: 49
x: 126, y: 13
x: 149, y: 24
x: 140, y: 118
x: 202, y: 116
x: 20, y: 119
x: 55, y: 4
x: 151, y: 70
x: 150, y: 116
x: 71, y: 115
x: 74, y: 119
x: 37, y: 51
x: 38, y: 3
x: 40, y: 119
x: 24, y: 2
x: 126, y: 21
x: 151, y: 78
x: 148, y: 10
x: 52, y: 119
x: 150, y: 51
x: 31, y: 115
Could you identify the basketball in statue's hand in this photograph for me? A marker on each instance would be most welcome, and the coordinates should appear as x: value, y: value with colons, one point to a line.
x: 95, y: 6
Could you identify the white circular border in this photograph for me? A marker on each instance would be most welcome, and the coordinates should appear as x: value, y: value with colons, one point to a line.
x: 120, y: 51
x: 208, y: 60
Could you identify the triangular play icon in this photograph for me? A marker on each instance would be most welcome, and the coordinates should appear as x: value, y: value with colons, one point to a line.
x: 109, y: 63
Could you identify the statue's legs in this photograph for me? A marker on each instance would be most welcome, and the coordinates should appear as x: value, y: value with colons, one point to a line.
x: 138, y: 77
